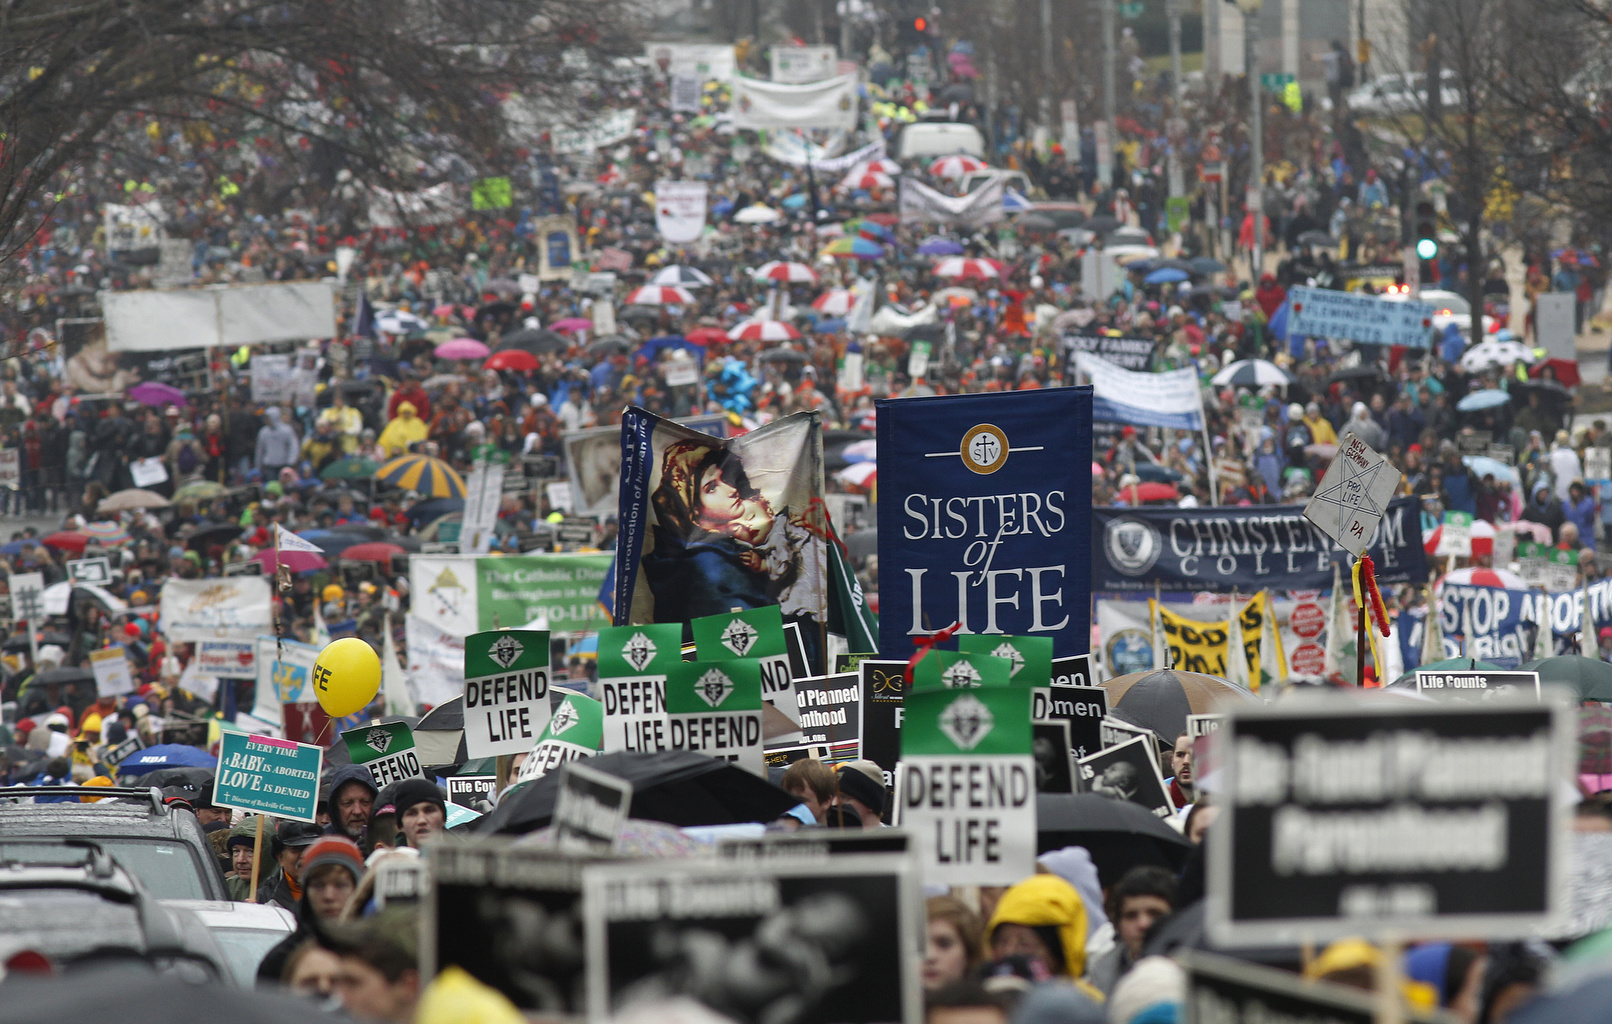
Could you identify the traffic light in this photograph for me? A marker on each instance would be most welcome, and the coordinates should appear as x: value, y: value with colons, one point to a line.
x: 920, y: 25
x: 913, y: 31
x: 1426, y: 231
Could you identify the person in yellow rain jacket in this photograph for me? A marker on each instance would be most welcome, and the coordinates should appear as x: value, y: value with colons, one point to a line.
x: 405, y: 429
x: 1043, y: 918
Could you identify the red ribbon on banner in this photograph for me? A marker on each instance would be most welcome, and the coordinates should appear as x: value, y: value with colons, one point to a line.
x: 923, y: 645
x: 1368, y: 579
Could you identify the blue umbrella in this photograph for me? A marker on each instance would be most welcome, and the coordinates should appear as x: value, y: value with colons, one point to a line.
x: 938, y: 245
x: 1166, y: 275
x: 11, y: 547
x: 794, y: 202
x: 834, y: 326
x: 167, y: 755
x: 432, y: 508
x: 1482, y: 466
x: 1480, y: 400
x: 652, y: 348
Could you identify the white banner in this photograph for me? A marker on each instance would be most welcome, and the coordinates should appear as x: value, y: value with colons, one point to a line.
x: 705, y: 61
x: 442, y: 593
x: 111, y: 668
x: 920, y: 204
x: 1167, y: 399
x: 680, y: 210
x: 827, y: 104
x: 159, y: 321
x: 233, y: 608
x: 603, y: 131
x: 132, y: 227
x: 436, y: 661
x: 484, y: 496
x: 798, y: 64
x: 434, y: 205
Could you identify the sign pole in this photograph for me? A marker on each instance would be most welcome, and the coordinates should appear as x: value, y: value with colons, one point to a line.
x: 1360, y: 635
x: 257, y: 859
x: 1390, y: 979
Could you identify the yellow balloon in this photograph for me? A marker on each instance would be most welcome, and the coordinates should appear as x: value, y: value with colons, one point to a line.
x: 346, y: 676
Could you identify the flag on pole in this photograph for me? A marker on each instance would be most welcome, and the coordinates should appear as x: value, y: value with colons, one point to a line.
x: 1272, y: 659
x: 1587, y: 645
x: 1432, y: 634
x: 394, y: 681
x: 1544, y: 641
x: 1340, y: 636
x: 285, y: 540
x: 1236, y: 652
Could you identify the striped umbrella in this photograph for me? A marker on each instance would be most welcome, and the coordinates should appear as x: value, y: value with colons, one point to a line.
x: 656, y: 295
x: 883, y: 165
x: 105, y: 533
x: 958, y: 267
x: 791, y: 273
x: 834, y: 302
x: 681, y: 277
x: 867, y: 180
x: 854, y: 249
x: 763, y: 330
x: 423, y: 474
x: 956, y: 165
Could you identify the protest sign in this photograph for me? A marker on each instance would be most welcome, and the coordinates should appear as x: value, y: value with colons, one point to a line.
x: 1054, y: 764
x: 399, y: 880
x: 1496, y: 624
x: 1222, y: 990
x: 589, y: 810
x: 1338, y: 817
x: 27, y: 591
x: 831, y: 712
x: 491, y: 194
x: 959, y: 670
x: 685, y: 94
x: 574, y: 731
x: 1115, y: 731
x: 641, y: 925
x: 1129, y: 771
x: 803, y: 63
x: 606, y: 130
x: 829, y: 103
x: 484, y: 495
x: 1030, y: 656
x: 1168, y: 399
x: 1455, y: 535
x: 1481, y: 684
x: 227, y: 659
x: 111, y: 668
x: 1228, y: 548
x: 1203, y: 725
x: 967, y: 788
x: 506, y: 691
x: 1195, y: 645
x: 1353, y: 495
x: 284, y: 675
x: 265, y: 775
x: 233, y: 608
x: 95, y: 572
x: 511, y: 917
x: 10, y: 468
x: 386, y: 749
x: 703, y: 61
x: 814, y: 844
x: 756, y: 633
x: 1598, y: 466
x: 470, y: 790
x: 671, y: 569
x: 714, y: 707
x: 1081, y: 708
x: 680, y: 210
x: 992, y: 529
x: 1561, y: 570
x: 1323, y: 313
x: 633, y: 661
x: 1126, y: 353
x: 884, y: 688
x: 123, y: 751
x: 920, y: 204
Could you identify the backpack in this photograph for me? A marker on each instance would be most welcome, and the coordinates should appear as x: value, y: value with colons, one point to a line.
x: 186, y: 461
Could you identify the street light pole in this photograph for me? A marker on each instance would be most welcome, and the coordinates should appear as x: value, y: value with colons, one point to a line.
x: 1046, y: 64
x: 1172, y: 11
x: 1105, y: 171
x: 1256, y: 147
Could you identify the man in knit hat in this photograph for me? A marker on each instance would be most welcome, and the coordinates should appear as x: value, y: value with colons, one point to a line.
x: 422, y: 811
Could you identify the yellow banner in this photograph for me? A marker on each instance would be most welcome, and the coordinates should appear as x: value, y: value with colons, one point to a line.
x: 1198, y: 646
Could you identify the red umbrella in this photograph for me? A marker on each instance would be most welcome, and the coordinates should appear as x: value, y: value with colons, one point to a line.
x: 375, y: 551
x: 511, y: 359
x: 1566, y: 371
x: 1139, y: 494
x: 889, y: 220
x: 296, y: 561
x: 706, y: 336
x: 66, y: 540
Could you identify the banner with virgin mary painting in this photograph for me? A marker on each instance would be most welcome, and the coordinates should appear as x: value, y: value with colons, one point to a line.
x: 710, y: 526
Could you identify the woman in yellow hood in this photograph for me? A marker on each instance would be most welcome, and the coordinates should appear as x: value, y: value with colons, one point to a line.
x: 1043, y: 918
x: 405, y: 429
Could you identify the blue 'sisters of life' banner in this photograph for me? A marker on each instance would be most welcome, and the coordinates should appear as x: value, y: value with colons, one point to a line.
x: 985, y: 517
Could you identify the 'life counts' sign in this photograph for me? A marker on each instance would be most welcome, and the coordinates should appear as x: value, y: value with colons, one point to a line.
x: 991, y: 526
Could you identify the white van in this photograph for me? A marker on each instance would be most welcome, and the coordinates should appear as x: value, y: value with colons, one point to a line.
x: 925, y: 140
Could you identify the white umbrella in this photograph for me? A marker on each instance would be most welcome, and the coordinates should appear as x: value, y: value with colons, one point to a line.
x: 681, y: 277
x: 1252, y: 373
x: 1491, y: 353
x: 785, y: 272
x: 757, y: 214
x: 763, y: 330
x: 656, y: 295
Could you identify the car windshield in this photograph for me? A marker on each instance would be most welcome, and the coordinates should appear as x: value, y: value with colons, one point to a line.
x: 164, y: 867
x: 244, y: 949
x: 1450, y: 301
x: 64, y: 923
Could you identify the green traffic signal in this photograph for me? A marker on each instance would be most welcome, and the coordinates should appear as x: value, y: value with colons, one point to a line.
x: 1427, y: 248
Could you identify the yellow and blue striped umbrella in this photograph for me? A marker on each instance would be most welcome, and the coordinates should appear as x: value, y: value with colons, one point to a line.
x: 423, y: 474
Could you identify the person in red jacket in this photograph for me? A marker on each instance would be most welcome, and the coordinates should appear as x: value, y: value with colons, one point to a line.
x: 410, y: 391
x: 1270, y: 295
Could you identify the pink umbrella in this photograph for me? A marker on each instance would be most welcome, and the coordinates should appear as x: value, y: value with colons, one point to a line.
x: 570, y: 324
x: 296, y: 561
x: 463, y: 348
x: 1538, y: 531
x: 1097, y: 471
x: 443, y: 310
x: 763, y: 330
x: 658, y: 295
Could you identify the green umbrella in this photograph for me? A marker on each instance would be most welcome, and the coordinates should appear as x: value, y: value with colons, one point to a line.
x: 351, y: 468
x: 200, y: 490
x: 1447, y: 665
x: 1589, y: 678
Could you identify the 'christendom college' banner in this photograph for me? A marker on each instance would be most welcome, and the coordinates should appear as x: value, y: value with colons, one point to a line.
x: 1247, y: 548
x: 986, y: 517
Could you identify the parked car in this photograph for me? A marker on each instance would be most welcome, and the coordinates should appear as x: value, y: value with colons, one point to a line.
x: 71, y: 904
x: 1400, y: 94
x: 925, y: 140
x: 973, y: 181
x: 1453, y: 308
x: 245, y: 932
x: 160, y: 844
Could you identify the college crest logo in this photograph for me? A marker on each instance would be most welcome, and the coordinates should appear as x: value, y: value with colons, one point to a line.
x: 1132, y: 546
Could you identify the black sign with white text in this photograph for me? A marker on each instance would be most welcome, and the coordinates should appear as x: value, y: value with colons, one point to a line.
x: 1479, y: 685
x: 1083, y: 708
x: 884, y: 688
x: 1341, y: 816
x: 1127, y: 772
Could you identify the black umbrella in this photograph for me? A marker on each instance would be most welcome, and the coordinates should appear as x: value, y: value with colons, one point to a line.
x: 644, y: 313
x: 1205, y: 265
x: 679, y: 787
x: 1037, y: 222
x: 1064, y: 218
x: 610, y: 346
x: 445, y: 717
x: 1101, y: 223
x: 1118, y: 833
x: 535, y: 341
x: 209, y: 534
x: 782, y: 355
x: 368, y: 531
x: 1365, y: 371
x: 957, y: 92
x: 61, y: 676
x: 20, y: 642
x: 195, y: 778
x: 1550, y: 392
x: 1317, y: 238
x: 127, y: 989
